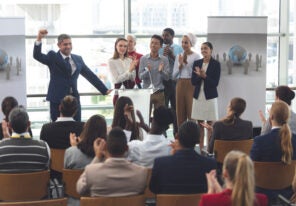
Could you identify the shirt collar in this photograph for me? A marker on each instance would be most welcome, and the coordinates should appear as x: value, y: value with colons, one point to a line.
x: 64, y: 56
x: 64, y: 119
x: 16, y: 135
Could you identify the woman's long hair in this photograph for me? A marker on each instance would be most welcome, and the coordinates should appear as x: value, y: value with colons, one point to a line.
x: 236, y: 107
x: 119, y: 119
x: 116, y: 54
x: 280, y: 113
x: 95, y: 127
x: 240, y: 170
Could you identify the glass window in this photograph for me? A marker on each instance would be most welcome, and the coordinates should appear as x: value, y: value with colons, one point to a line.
x: 153, y: 16
x: 292, y: 45
x: 72, y: 17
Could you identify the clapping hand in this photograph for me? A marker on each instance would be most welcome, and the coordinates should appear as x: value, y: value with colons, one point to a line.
x: 213, y: 184
x: 142, y: 123
x: 74, y: 140
x: 161, y: 66
x: 100, y: 148
x: 200, y: 72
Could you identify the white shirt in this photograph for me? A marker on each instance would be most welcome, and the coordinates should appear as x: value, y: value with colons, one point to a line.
x: 186, y: 71
x: 120, y: 70
x: 144, y: 152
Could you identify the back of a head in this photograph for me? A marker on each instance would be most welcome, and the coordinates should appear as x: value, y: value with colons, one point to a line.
x: 163, y: 117
x: 95, y: 127
x: 116, y: 142
x: 7, y: 105
x: 240, y: 170
x: 285, y: 94
x: 188, y: 134
x: 68, y: 106
x: 19, y: 120
x: 280, y: 113
x: 238, y: 106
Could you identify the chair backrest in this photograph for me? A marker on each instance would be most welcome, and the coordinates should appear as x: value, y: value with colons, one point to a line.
x: 274, y: 175
x: 178, y: 199
x: 49, y: 202
x: 70, y: 177
x: 136, y: 200
x: 57, y: 159
x: 148, y: 194
x: 24, y: 186
x: 222, y: 147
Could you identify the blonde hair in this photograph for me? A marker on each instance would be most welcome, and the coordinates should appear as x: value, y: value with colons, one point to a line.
x: 240, y: 170
x: 280, y: 113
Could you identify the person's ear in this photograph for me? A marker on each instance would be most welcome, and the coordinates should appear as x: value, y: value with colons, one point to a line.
x: 225, y: 173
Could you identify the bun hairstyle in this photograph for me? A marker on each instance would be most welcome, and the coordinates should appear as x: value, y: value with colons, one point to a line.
x: 285, y: 94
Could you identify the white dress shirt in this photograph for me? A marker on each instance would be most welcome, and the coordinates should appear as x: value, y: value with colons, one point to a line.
x: 144, y: 152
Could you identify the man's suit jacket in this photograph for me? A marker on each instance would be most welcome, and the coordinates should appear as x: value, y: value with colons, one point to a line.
x: 61, y: 80
x: 114, y: 177
x: 240, y: 130
x: 210, y: 82
x: 181, y: 173
x: 56, y: 134
x: 224, y: 199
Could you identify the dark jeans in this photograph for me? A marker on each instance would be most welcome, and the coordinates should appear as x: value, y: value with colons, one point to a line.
x: 170, y: 97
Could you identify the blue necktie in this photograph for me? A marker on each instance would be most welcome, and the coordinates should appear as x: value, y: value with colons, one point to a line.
x: 67, y: 59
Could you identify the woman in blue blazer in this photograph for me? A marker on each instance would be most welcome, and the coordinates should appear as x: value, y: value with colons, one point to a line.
x: 279, y: 145
x: 205, y: 78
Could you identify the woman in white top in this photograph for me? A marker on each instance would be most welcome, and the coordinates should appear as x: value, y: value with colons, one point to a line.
x: 205, y: 78
x: 122, y: 67
x: 182, y: 72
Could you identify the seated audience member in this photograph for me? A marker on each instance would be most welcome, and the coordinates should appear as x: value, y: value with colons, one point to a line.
x: 115, y: 176
x: 279, y: 145
x: 285, y: 94
x: 20, y: 153
x: 82, y: 151
x: 232, y: 127
x: 155, y: 143
x: 56, y: 134
x: 7, y: 105
x: 184, y: 171
x: 238, y: 173
x: 124, y: 106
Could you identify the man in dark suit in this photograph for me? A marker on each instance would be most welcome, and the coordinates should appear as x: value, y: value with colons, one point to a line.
x: 56, y: 134
x: 185, y: 171
x: 64, y: 69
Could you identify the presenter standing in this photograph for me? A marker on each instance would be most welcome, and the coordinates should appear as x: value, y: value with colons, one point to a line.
x: 64, y: 68
x: 205, y: 78
x: 122, y: 68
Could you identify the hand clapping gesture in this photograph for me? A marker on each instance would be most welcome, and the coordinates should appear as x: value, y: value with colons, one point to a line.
x: 100, y: 148
x: 200, y: 72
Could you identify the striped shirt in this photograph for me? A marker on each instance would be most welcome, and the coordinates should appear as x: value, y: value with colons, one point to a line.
x: 20, y: 155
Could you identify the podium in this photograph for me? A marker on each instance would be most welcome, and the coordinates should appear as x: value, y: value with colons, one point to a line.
x: 141, y: 100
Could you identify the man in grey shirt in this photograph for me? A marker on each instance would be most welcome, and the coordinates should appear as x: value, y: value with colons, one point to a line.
x: 153, y: 69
